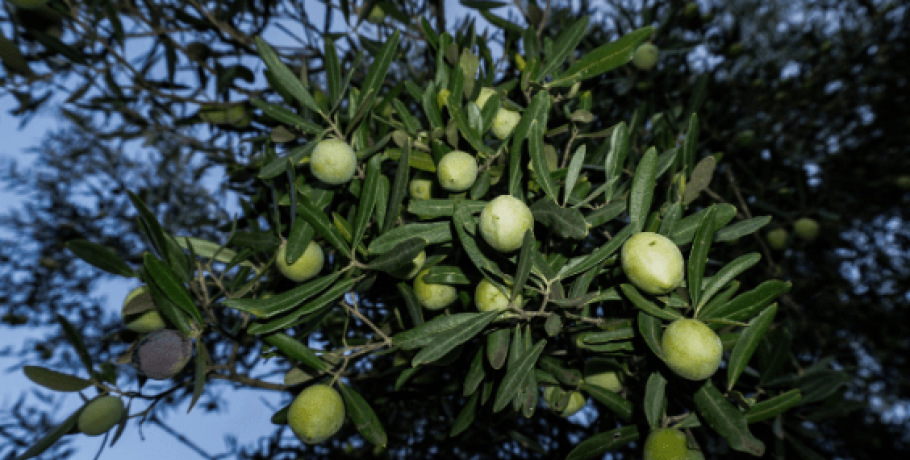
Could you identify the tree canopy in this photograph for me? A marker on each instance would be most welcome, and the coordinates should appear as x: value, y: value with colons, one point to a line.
x: 755, y: 116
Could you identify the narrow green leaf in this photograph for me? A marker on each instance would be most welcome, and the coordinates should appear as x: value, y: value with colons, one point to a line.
x: 603, y: 59
x: 620, y: 333
x: 445, y: 342
x: 646, y: 305
x: 400, y: 188
x: 287, y: 117
x: 746, y: 305
x: 280, y: 303
x: 199, y: 377
x: 538, y: 111
x: 725, y: 275
x: 332, y: 71
x: 655, y: 399
x: 578, y: 161
x: 301, y: 235
x: 599, y: 444
x: 284, y: 77
x: 525, y: 262
x: 310, y: 308
x: 701, y: 178
x: 606, y: 213
x: 366, y: 421
x: 293, y: 156
x: 774, y: 406
x: 616, y: 403
x: 100, y: 257
x: 563, y: 46
x: 296, y: 350
x: 53, y: 436
x: 75, y: 339
x: 542, y: 173
x: 747, y: 344
x: 741, y: 229
x: 616, y: 158
x: 557, y: 368
x: 315, y: 216
x: 497, y: 348
x: 515, y: 377
x: 671, y: 217
x: 174, y: 314
x: 698, y: 255
x: 476, y: 373
x: 690, y: 146
x: 643, y: 189
x: 209, y: 250
x: 404, y: 253
x: 600, y: 254
x: 565, y: 222
x: 433, y: 208
x: 367, y: 199
x: 466, y: 416
x: 54, y: 380
x: 684, y: 231
x: 724, y: 418
x: 651, y: 330
x: 411, y: 304
x: 446, y: 274
x: 426, y: 333
x: 432, y: 233
x: 170, y: 284
x: 467, y: 130
x: 469, y: 244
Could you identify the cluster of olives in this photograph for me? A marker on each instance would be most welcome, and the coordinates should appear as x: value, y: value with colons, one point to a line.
x: 655, y: 265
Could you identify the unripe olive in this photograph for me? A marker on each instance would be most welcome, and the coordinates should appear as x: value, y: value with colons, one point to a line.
x: 421, y: 187
x: 308, y: 265
x: 645, y: 57
x: 692, y: 349
x: 484, y: 95
x: 333, y: 162
x: 411, y: 269
x: 652, y: 263
x: 666, y: 444
x: 777, y: 238
x: 431, y: 295
x: 903, y: 182
x: 576, y: 402
x: 162, y: 354
x: 504, y: 221
x: 147, y: 322
x: 221, y: 114
x: 100, y: 415
x: 457, y: 171
x: 806, y: 228
x: 488, y: 297
x: 745, y: 138
x: 139, y: 312
x: 505, y: 122
x: 316, y: 414
x: 603, y: 374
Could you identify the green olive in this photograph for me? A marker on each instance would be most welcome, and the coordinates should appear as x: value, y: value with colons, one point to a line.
x: 692, y: 349
x: 316, y: 414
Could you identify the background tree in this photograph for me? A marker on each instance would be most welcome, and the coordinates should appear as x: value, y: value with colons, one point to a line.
x: 794, y: 96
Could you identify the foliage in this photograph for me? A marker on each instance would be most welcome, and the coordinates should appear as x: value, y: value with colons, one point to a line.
x: 601, y: 153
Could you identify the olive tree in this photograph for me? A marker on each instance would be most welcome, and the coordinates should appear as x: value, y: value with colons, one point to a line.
x: 537, y: 198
